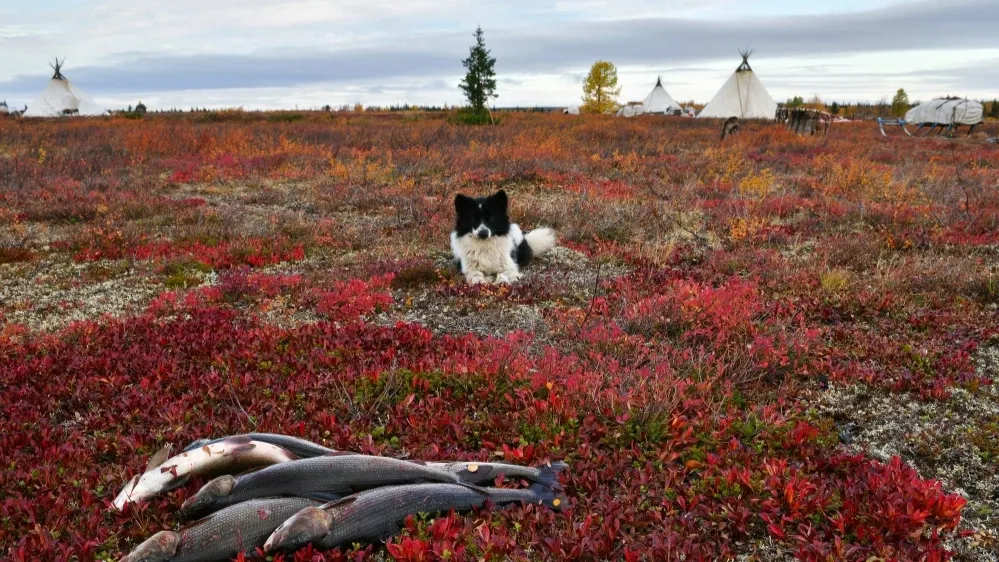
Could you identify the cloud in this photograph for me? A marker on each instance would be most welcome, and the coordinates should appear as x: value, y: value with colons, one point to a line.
x: 171, y: 73
x: 542, y: 49
x: 657, y: 41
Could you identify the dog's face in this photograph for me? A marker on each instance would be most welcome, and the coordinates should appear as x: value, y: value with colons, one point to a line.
x: 481, y: 217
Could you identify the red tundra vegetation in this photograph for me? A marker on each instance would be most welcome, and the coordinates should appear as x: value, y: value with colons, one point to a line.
x: 179, y: 277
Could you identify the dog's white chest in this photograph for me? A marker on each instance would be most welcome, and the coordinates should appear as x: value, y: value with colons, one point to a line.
x: 490, y: 256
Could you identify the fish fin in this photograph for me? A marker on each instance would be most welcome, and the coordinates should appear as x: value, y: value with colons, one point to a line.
x: 131, y: 484
x: 159, y: 457
x: 327, y: 497
x: 253, y: 469
x: 339, y: 503
x: 177, y: 483
x: 548, y: 497
x: 548, y: 475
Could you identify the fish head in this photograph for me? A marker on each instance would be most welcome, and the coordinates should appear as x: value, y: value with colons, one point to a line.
x: 307, y: 526
x: 158, y: 548
x: 208, y: 495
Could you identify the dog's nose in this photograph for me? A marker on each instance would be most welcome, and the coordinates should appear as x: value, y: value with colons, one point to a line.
x: 483, y: 234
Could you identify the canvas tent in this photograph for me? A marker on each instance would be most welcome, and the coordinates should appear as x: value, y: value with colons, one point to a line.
x: 659, y: 100
x: 572, y: 110
x: 742, y: 96
x: 61, y: 97
x: 3, y: 108
x: 946, y: 112
x: 631, y: 110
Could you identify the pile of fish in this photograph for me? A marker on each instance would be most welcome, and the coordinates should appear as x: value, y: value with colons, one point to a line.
x: 281, y: 493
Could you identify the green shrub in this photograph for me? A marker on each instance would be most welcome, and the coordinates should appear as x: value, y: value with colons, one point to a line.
x: 470, y: 117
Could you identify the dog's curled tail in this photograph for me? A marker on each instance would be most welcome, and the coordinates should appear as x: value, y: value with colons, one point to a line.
x: 540, y: 240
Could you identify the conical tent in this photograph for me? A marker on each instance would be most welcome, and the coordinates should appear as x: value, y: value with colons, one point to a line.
x: 742, y: 96
x: 61, y: 97
x: 659, y: 100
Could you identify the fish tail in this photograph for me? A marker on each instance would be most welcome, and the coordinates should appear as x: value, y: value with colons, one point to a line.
x: 548, y: 475
x: 546, y: 495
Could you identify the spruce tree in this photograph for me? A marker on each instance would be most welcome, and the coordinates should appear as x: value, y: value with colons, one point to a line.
x: 480, y: 82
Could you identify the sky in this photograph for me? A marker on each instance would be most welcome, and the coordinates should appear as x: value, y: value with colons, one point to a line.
x: 304, y: 54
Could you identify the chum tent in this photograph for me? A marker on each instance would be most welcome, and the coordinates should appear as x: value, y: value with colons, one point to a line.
x: 742, y: 96
x: 61, y: 97
x: 659, y: 100
x: 946, y: 112
x: 572, y: 110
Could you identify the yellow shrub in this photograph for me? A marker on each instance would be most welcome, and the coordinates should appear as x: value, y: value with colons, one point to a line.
x: 835, y: 280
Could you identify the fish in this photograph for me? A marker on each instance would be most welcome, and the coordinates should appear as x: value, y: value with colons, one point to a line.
x: 325, y: 478
x: 300, y: 447
x: 374, y: 515
x: 228, y: 456
x: 221, y: 536
x: 484, y: 473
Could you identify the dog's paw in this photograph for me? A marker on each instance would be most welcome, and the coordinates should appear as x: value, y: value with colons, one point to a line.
x: 475, y: 277
x: 508, y: 277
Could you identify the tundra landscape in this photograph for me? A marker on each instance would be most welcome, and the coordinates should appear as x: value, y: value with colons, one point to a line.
x: 772, y: 347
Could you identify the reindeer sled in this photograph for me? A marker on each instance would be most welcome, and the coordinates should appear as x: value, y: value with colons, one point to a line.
x: 941, y: 116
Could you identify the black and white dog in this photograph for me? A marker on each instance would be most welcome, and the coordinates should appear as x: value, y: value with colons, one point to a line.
x: 486, y: 243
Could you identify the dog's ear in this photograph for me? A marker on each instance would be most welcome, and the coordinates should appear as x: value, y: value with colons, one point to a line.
x: 463, y: 202
x: 499, y: 200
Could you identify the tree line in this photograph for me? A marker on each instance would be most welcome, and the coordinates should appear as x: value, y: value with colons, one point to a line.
x: 896, y: 108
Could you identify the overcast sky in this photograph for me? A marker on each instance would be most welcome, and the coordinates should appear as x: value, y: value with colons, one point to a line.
x: 307, y: 53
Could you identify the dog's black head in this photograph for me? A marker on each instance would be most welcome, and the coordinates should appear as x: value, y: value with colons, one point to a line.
x: 483, y: 216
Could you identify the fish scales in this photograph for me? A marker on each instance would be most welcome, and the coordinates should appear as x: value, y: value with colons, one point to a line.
x: 299, y: 447
x: 224, y: 534
x: 377, y: 514
x: 484, y: 473
x: 341, y: 475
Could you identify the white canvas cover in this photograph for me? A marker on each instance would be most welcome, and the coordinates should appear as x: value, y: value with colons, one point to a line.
x: 630, y: 111
x: 3, y: 108
x: 572, y: 110
x: 659, y: 100
x: 946, y: 112
x: 60, y: 96
x: 742, y: 96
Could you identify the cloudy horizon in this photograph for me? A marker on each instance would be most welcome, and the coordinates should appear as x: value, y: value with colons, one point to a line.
x: 309, y: 53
